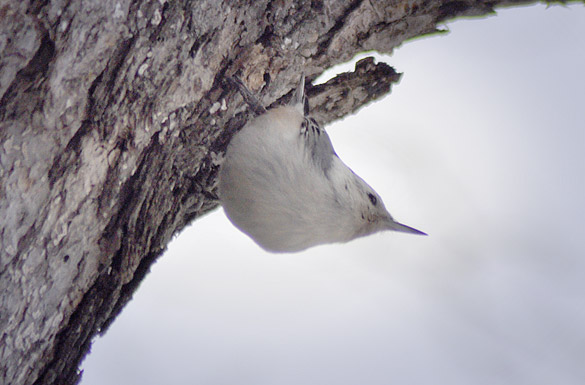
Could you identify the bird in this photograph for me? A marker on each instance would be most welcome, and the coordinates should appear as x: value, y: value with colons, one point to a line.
x: 282, y: 183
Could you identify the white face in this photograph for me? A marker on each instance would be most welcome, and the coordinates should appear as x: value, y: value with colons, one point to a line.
x: 369, y: 211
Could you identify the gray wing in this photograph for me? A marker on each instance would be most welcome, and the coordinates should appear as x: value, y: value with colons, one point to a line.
x: 318, y: 144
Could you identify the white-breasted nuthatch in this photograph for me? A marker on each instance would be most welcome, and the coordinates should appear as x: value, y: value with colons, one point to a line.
x: 282, y: 183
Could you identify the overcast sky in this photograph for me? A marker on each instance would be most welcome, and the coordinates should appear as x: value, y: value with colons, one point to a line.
x: 481, y: 145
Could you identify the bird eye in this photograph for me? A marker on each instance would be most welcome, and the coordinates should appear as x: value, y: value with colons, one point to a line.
x: 373, y: 198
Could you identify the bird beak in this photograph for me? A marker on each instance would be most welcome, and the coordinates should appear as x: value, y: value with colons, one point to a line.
x: 395, y: 226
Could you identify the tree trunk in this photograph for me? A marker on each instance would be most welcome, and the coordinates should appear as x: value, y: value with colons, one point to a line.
x: 113, y: 115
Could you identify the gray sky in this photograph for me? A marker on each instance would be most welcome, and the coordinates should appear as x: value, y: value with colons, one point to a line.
x: 482, y: 145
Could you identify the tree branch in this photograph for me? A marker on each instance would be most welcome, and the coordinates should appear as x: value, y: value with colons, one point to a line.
x: 112, y: 117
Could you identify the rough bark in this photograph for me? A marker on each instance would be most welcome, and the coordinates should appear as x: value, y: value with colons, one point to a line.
x: 113, y: 115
